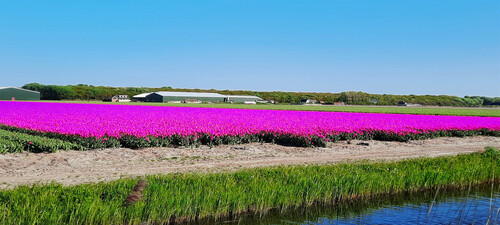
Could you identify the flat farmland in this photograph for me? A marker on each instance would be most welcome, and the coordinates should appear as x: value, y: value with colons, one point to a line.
x: 425, y: 110
x: 206, y: 162
x: 137, y: 126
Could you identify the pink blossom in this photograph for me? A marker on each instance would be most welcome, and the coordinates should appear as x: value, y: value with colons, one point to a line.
x: 96, y: 121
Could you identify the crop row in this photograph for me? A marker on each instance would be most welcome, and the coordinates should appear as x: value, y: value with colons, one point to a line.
x: 128, y: 141
x: 191, y: 196
x: 89, y: 120
x: 100, y: 126
x: 17, y: 142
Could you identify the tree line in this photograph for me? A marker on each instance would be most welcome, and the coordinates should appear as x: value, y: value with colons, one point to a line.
x: 90, y: 92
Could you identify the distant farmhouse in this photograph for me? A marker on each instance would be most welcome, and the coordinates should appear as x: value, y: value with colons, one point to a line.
x: 14, y: 93
x: 193, y: 97
x: 308, y: 101
x: 118, y: 98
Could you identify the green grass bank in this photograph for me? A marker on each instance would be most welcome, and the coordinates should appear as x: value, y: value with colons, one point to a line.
x: 191, y: 196
x: 493, y: 112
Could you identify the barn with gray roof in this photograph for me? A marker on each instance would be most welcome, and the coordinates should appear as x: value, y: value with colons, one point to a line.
x: 14, y: 93
x: 141, y: 97
x: 166, y: 96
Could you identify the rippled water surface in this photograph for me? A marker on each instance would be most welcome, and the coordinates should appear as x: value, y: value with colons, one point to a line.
x: 457, y: 210
x: 473, y: 205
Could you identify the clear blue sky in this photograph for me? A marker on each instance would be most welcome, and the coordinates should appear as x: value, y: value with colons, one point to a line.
x: 394, y: 47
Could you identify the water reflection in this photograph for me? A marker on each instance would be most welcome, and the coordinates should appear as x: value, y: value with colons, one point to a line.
x: 471, y: 205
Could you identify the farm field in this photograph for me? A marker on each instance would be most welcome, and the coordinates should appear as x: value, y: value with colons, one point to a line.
x: 182, y: 152
x: 91, y: 126
x: 426, y: 110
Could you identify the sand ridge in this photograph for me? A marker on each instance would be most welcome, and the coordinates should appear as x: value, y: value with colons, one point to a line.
x: 76, y: 167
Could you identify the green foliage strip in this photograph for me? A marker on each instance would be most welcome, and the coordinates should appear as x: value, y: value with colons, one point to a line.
x: 17, y: 142
x: 90, y: 92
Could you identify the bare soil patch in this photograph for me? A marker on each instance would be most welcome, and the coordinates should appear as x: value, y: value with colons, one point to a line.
x: 76, y: 167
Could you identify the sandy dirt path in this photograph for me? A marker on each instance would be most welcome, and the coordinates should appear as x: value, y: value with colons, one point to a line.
x: 76, y: 167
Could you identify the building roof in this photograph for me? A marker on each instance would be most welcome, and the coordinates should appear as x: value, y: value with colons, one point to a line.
x: 242, y: 96
x: 143, y: 95
x: 120, y: 96
x: 190, y: 94
x: 19, y: 89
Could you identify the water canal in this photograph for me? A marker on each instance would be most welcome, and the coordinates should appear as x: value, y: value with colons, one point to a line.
x: 470, y: 205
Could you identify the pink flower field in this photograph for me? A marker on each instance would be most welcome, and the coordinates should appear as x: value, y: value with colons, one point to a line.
x: 93, y: 120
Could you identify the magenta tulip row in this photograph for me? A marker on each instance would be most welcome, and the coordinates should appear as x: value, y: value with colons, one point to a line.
x: 93, y: 120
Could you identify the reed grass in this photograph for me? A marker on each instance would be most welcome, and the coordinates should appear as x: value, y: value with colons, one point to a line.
x: 413, y: 205
x: 192, y: 196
